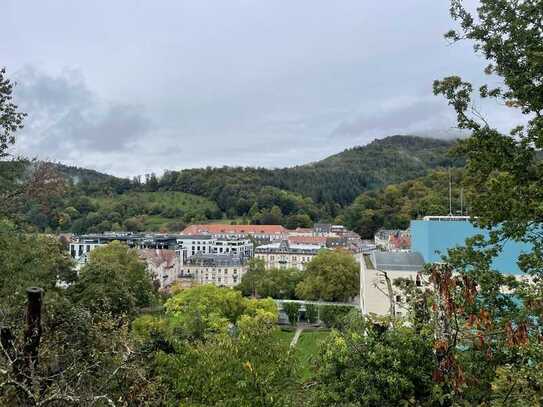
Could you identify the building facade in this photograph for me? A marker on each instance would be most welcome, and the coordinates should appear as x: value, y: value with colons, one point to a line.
x: 190, y: 245
x: 375, y: 268
x: 222, y: 270
x: 285, y: 255
x: 433, y: 236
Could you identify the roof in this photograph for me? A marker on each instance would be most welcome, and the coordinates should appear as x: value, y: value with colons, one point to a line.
x: 398, y: 261
x: 285, y: 247
x: 234, y: 229
x: 158, y: 256
x: 318, y: 240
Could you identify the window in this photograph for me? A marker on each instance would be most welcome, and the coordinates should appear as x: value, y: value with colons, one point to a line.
x: 398, y: 298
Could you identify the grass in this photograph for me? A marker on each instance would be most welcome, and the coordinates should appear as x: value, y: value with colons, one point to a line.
x: 307, y: 349
x: 285, y: 337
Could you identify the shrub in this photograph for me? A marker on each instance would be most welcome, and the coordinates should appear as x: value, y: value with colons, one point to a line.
x: 312, y: 313
x: 292, y: 310
x: 332, y: 315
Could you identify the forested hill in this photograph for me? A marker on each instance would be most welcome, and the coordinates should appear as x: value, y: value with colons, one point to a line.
x: 295, y: 196
x: 337, y: 179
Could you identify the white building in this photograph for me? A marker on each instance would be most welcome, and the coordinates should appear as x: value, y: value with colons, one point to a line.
x: 191, y: 245
x: 222, y: 270
x: 375, y: 268
x: 285, y: 255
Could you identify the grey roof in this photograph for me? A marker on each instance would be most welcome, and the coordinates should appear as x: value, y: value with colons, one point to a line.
x: 398, y: 261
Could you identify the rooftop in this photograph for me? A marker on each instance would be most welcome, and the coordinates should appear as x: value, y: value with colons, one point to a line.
x: 398, y: 261
x: 234, y: 229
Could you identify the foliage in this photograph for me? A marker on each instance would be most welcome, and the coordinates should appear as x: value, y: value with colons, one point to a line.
x: 274, y: 283
x: 332, y: 275
x: 114, y: 280
x: 207, y: 309
x: 232, y: 370
x: 312, y: 313
x: 498, y: 337
x: 27, y: 261
x: 362, y: 366
x: 394, y: 206
x: 10, y: 118
x: 292, y: 309
x: 333, y: 315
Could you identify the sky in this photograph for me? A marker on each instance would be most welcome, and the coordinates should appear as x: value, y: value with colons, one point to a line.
x: 132, y: 87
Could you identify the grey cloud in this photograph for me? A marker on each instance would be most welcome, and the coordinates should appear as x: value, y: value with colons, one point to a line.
x: 413, y: 116
x: 65, y: 116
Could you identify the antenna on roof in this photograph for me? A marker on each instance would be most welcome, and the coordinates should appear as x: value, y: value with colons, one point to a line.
x: 450, y: 192
x: 461, y: 201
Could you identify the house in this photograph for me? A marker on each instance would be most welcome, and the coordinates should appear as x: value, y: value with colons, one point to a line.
x: 285, y: 255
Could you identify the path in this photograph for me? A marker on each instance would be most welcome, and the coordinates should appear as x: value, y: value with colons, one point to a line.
x: 296, y: 336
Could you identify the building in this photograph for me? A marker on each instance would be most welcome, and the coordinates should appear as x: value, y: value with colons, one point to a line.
x: 222, y: 270
x: 164, y: 265
x: 375, y: 268
x: 285, y: 255
x: 433, y: 236
x: 393, y: 239
x: 302, y: 239
x: 82, y: 245
x: 190, y: 245
x: 256, y: 232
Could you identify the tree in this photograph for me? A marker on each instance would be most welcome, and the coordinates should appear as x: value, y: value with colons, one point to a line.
x: 11, y: 119
x: 332, y: 275
x: 205, y: 310
x: 470, y: 311
x: 114, y: 280
x: 363, y: 366
x: 274, y: 283
x: 292, y: 309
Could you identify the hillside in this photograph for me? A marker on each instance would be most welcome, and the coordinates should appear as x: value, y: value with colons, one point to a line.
x: 337, y: 179
x: 393, y: 206
x: 294, y: 197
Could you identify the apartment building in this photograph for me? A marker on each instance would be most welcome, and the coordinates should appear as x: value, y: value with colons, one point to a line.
x: 222, y: 270
x: 286, y: 255
x: 191, y: 245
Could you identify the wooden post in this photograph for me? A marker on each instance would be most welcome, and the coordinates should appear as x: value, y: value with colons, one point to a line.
x: 33, y: 330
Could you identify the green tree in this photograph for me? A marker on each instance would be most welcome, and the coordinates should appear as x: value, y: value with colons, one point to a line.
x: 363, y: 366
x: 332, y: 275
x: 292, y: 309
x: 114, y: 280
x: 11, y: 119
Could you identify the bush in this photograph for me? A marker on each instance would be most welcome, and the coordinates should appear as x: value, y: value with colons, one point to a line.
x: 292, y: 310
x: 332, y: 315
x: 312, y: 313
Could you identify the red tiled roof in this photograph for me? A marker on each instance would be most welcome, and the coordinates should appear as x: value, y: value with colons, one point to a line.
x: 234, y: 229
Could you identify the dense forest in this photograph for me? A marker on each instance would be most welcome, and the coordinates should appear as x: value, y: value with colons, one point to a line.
x: 294, y: 197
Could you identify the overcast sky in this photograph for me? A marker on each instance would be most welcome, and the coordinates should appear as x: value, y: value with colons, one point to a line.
x: 129, y: 87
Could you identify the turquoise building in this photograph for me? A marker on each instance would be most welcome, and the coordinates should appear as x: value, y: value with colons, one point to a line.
x: 434, y: 235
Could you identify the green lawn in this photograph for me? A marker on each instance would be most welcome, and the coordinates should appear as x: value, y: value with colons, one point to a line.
x: 307, y: 349
x: 284, y: 336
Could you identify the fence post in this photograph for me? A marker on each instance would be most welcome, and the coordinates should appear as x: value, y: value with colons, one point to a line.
x: 33, y: 331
